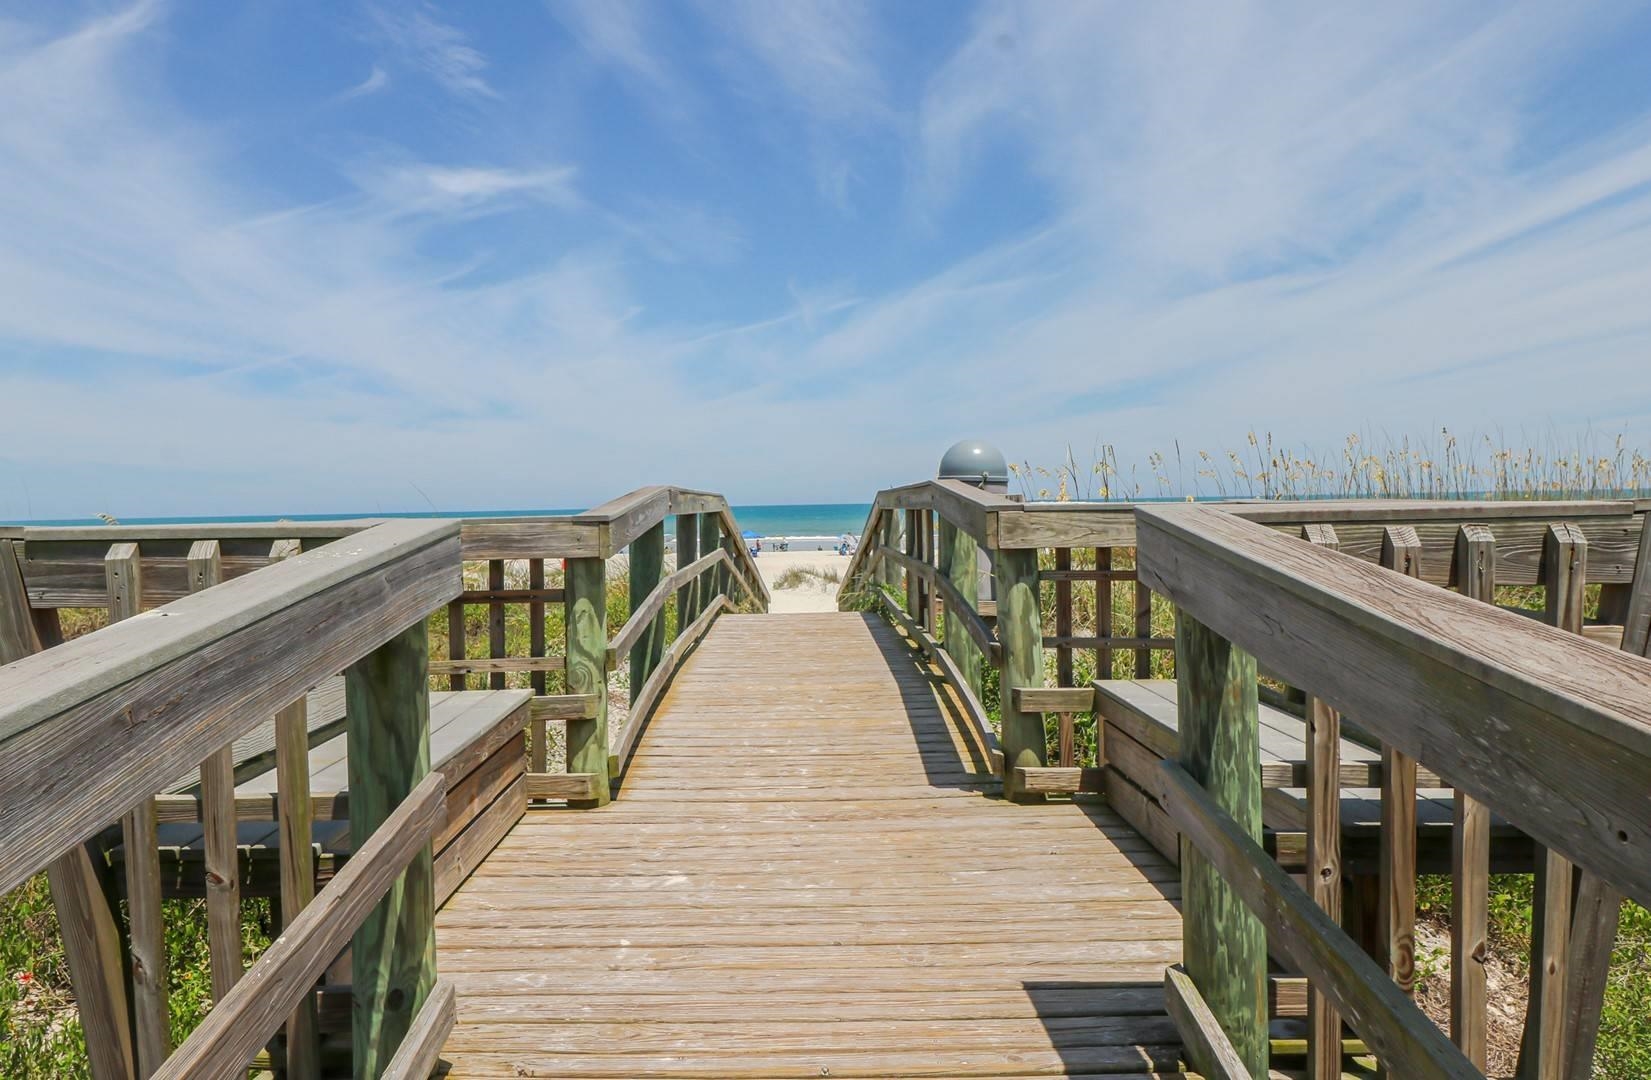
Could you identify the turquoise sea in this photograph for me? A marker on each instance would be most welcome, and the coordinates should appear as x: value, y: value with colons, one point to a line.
x: 799, y: 519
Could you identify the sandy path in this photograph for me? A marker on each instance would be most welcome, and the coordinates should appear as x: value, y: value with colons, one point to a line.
x: 814, y: 594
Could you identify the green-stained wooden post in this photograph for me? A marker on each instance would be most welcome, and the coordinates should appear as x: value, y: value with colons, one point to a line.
x: 687, y: 550
x: 1223, y: 944
x: 393, y: 954
x: 587, y: 658
x: 959, y: 563
x: 647, y: 567
x: 711, y: 582
x: 1020, y: 628
x: 884, y: 535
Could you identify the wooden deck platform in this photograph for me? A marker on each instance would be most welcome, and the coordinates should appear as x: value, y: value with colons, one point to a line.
x: 805, y: 876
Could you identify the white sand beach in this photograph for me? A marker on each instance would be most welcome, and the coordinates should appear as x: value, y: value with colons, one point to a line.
x: 821, y: 573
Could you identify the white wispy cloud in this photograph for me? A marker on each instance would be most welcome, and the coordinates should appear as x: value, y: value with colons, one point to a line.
x: 376, y: 80
x: 419, y: 38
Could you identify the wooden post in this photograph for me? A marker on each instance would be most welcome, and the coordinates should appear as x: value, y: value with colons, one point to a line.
x: 538, y: 752
x: 687, y: 551
x: 123, y: 575
x: 1103, y: 612
x: 1401, y: 552
x: 1475, y: 573
x: 495, y: 621
x: 1020, y: 629
x: 1323, y: 849
x: 18, y: 636
x: 711, y: 582
x: 1542, y: 1053
x: 393, y: 954
x: 222, y: 867
x: 587, y: 671
x: 297, y: 855
x: 91, y: 943
x: 91, y: 940
x: 914, y: 547
x: 647, y: 565
x: 1224, y: 944
x: 1063, y: 621
x: 1143, y: 629
x: 1597, y: 907
x: 884, y: 535
x: 455, y: 641
x: 959, y: 561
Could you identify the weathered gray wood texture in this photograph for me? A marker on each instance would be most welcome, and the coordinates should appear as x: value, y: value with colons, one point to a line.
x: 1495, y: 702
x: 81, y: 732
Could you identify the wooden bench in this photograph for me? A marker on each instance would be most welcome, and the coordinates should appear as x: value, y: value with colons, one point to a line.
x: 1139, y: 718
x: 476, y: 742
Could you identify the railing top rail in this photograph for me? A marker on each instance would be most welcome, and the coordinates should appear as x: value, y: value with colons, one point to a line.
x: 1549, y: 728
x: 224, y: 530
x: 89, y: 728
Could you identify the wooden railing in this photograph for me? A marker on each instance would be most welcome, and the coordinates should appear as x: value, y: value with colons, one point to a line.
x: 921, y: 543
x: 715, y: 573
x: 1539, y: 726
x: 92, y: 729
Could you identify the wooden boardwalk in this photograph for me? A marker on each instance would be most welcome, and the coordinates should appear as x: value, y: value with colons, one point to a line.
x: 805, y: 876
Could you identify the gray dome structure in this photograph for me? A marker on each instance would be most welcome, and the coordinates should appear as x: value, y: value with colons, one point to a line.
x: 976, y: 463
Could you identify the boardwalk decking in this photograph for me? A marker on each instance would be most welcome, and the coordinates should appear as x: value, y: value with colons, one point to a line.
x: 804, y: 876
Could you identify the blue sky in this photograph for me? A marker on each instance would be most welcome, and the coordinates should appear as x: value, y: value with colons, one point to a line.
x: 346, y: 256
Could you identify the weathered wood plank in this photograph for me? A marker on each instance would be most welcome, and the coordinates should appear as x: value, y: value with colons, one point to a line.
x: 1225, y: 946
x: 1208, y: 1048
x: 1059, y: 780
x: 232, y: 1033
x: 91, y: 944
x: 1324, y: 881
x: 1542, y: 1052
x: 146, y: 931
x: 495, y: 621
x: 1475, y: 574
x: 1053, y: 699
x: 18, y: 636
x: 529, y: 538
x: 80, y: 715
x: 560, y: 785
x: 1401, y: 553
x: 620, y: 521
x: 223, y: 882
x: 536, y: 648
x: 418, y: 1054
x: 294, y: 815
x: 496, y: 665
x: 817, y: 882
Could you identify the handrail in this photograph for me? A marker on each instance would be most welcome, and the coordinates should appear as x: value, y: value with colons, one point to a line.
x: 91, y: 727
x: 244, y: 1020
x: 1424, y: 669
x: 958, y: 605
x: 643, y: 614
x: 1535, y: 722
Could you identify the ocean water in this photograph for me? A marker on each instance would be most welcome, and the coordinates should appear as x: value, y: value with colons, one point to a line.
x: 800, y: 519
